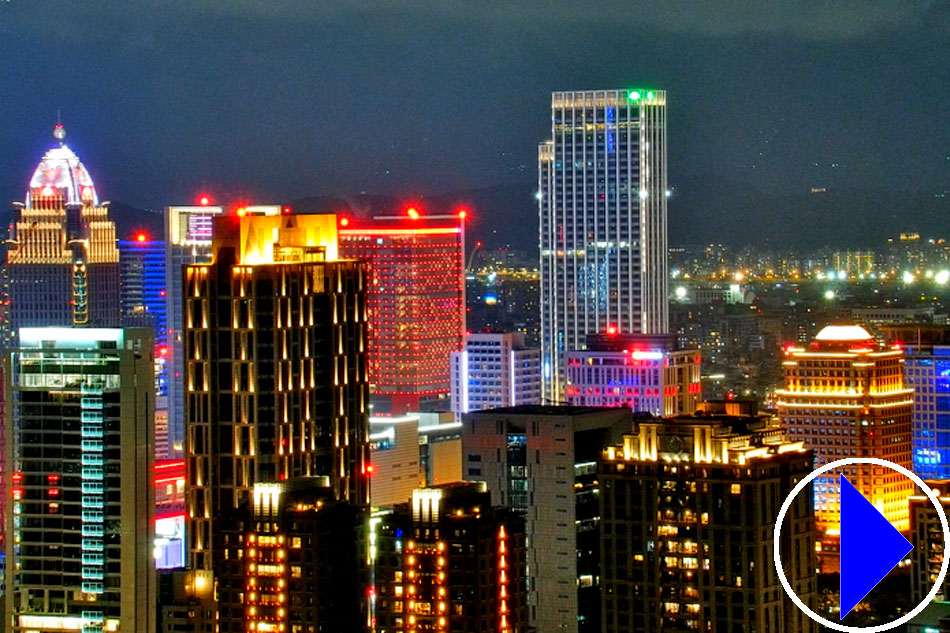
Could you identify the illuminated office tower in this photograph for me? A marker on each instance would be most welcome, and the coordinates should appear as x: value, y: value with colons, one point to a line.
x: 602, y: 201
x: 144, y: 304
x: 449, y: 561
x: 188, y: 232
x: 845, y: 396
x: 62, y: 259
x: 295, y: 560
x: 688, y: 507
x: 275, y: 377
x: 416, y: 294
x: 495, y: 370
x: 646, y: 372
x: 540, y: 461
x: 927, y: 372
x: 79, y: 445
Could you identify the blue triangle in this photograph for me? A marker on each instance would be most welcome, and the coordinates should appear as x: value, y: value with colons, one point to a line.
x: 870, y: 547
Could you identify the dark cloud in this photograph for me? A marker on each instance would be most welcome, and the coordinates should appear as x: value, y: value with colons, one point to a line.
x: 285, y: 99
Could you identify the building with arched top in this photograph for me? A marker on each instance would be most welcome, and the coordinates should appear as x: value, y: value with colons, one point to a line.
x: 845, y: 397
x: 62, y: 257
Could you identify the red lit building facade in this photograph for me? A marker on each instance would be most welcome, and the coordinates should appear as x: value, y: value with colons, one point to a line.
x: 416, y: 304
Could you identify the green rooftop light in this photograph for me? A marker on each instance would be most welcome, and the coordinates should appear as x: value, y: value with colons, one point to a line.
x: 650, y: 95
x: 634, y: 95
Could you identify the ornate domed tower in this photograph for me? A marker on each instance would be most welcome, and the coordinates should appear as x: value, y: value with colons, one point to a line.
x: 62, y: 260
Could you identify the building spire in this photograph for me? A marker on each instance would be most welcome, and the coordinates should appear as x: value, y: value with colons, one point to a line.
x: 59, y: 132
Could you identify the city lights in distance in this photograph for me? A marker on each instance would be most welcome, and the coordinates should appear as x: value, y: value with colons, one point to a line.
x: 942, y: 277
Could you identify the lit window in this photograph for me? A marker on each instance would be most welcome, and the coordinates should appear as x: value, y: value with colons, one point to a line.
x: 737, y: 489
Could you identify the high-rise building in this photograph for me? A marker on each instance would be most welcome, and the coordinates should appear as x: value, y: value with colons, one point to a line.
x: 62, y: 260
x: 144, y: 304
x: 646, y: 372
x: 188, y: 233
x: 927, y: 372
x: 79, y: 449
x: 416, y: 294
x: 926, y: 534
x: 495, y: 370
x: 276, y: 387
x: 602, y: 196
x: 295, y: 560
x: 449, y: 561
x: 845, y: 396
x: 538, y: 461
x: 688, y: 508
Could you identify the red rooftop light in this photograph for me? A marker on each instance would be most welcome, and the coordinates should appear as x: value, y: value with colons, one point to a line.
x: 611, y: 329
x: 204, y: 201
x: 344, y: 221
x: 286, y: 210
x: 413, y: 213
x: 141, y: 236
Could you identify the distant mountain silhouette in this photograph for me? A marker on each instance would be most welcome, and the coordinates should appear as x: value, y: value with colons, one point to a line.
x: 702, y: 210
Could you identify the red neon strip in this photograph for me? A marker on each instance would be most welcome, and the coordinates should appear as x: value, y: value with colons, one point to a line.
x: 434, y: 231
x: 163, y: 465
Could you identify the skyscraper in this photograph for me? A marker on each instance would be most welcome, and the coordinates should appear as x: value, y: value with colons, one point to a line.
x: 295, y: 561
x: 602, y: 196
x: 144, y: 304
x: 495, y: 369
x: 63, y: 261
x: 188, y: 232
x: 927, y: 372
x: 688, y: 507
x: 845, y: 396
x: 537, y: 460
x: 416, y: 294
x: 79, y: 446
x: 275, y: 342
x: 449, y: 561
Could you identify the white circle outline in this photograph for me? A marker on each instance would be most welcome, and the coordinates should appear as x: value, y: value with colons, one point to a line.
x: 777, y: 561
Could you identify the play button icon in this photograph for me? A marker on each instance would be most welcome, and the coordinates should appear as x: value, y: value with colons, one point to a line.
x: 870, y: 547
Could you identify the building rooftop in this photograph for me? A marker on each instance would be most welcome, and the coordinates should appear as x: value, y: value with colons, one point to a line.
x: 843, y: 333
x: 61, y: 169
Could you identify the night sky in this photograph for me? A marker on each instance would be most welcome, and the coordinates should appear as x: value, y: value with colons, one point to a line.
x: 278, y: 100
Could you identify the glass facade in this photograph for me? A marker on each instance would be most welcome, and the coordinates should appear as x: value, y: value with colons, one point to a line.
x: 602, y: 205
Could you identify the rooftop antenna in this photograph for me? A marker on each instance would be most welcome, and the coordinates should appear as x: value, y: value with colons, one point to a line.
x: 59, y: 132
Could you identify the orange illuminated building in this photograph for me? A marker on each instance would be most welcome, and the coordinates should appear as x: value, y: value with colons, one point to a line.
x: 296, y: 558
x: 416, y: 297
x: 275, y: 375
x: 449, y: 561
x: 844, y: 397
